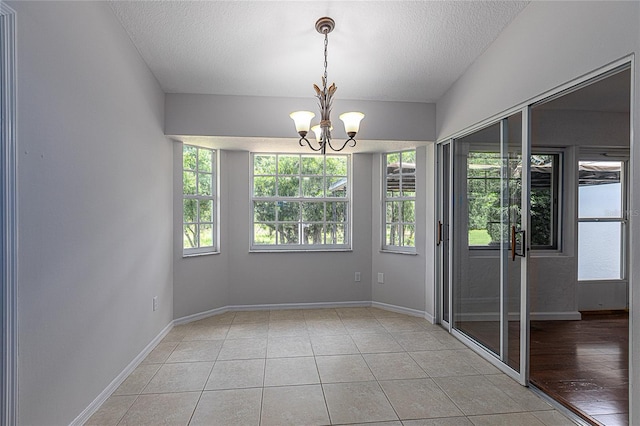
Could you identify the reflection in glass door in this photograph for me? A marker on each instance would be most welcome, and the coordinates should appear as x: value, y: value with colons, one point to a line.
x: 489, y: 238
x: 442, y: 232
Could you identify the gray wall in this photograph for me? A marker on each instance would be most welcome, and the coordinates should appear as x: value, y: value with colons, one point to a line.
x: 547, y: 45
x: 406, y: 282
x: 95, y: 218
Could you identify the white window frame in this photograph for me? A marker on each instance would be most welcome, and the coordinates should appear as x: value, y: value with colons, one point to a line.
x: 200, y: 250
x: 301, y: 247
x: 386, y: 198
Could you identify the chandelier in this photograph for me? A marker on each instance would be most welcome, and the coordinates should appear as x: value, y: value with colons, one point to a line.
x: 322, y: 131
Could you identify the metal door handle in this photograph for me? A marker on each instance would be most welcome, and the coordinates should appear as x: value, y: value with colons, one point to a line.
x: 514, y: 252
x: 439, y: 233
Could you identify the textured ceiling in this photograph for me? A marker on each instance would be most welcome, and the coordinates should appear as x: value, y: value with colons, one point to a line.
x: 385, y: 50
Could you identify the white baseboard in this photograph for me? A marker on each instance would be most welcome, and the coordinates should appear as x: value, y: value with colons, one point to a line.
x: 106, y: 393
x: 403, y: 310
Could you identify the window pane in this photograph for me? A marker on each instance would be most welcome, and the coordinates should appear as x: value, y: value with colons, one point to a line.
x: 264, y: 233
x: 190, y: 239
x: 190, y: 210
x: 393, y: 235
x: 189, y: 157
x: 408, y: 234
x: 288, y: 233
x: 264, y: 211
x: 393, y: 211
x: 204, y: 160
x: 189, y: 183
x: 600, y: 190
x: 313, y: 212
x: 335, y: 233
x: 313, y: 233
x: 312, y: 165
x: 599, y: 250
x: 289, y: 212
x: 336, y: 187
x: 336, y: 211
x: 393, y: 163
x: 264, y: 165
x: 408, y: 185
x: 288, y: 165
x: 312, y: 187
x: 206, y: 235
x: 336, y: 165
x: 264, y: 186
x: 408, y: 211
x: 206, y: 211
x: 204, y: 183
x: 288, y: 186
x: 408, y: 161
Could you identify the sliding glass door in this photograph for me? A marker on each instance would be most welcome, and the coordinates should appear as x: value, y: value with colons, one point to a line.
x: 486, y: 267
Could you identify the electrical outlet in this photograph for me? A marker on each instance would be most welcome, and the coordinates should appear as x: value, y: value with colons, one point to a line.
x: 155, y: 303
x: 380, y: 278
x: 357, y: 278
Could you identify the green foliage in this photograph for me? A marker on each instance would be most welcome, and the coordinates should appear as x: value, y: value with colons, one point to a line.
x: 197, y: 187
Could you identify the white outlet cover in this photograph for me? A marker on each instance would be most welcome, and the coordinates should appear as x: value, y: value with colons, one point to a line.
x: 380, y: 277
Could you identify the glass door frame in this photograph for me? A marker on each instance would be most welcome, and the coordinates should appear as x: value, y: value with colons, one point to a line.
x: 500, y: 361
x: 444, y: 208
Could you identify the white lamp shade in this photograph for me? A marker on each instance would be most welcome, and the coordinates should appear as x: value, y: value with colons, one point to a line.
x: 351, y: 121
x: 302, y: 120
x: 318, y: 131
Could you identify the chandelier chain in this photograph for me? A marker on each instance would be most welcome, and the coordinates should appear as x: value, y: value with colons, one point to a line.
x: 326, y: 44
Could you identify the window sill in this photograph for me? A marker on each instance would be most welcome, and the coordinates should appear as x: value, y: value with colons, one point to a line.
x: 208, y: 253
x: 329, y: 250
x: 392, y: 251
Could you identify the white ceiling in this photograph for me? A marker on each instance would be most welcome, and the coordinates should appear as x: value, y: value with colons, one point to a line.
x: 380, y: 50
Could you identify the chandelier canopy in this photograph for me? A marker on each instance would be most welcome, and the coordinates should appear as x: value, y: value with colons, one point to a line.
x: 322, y: 131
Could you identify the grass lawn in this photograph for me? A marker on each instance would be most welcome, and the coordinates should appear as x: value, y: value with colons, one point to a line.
x: 479, y: 237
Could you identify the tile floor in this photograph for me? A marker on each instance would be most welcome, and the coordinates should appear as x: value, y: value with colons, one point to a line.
x: 319, y: 367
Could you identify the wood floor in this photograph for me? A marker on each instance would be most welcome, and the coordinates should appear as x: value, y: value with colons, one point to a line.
x: 584, y: 364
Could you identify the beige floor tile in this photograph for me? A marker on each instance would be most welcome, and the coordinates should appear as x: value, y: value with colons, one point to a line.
x: 138, y: 379
x: 391, y: 366
x: 283, y: 328
x: 291, y: 371
x: 350, y: 313
x: 382, y: 313
x: 397, y: 324
x: 206, y: 332
x: 239, y: 407
x: 320, y: 314
x: 179, y: 377
x: 286, y: 314
x: 176, y: 334
x: 523, y: 396
x: 160, y: 353
x: 553, y: 418
x: 520, y: 419
x: 476, y: 395
x: 235, y: 374
x: 243, y: 349
x: 244, y: 330
x: 217, y: 319
x: 261, y: 317
x: 419, y: 399
x: 325, y: 327
x: 161, y: 409
x: 359, y: 402
x: 418, y: 341
x: 445, y: 338
x: 363, y: 325
x: 111, y: 411
x: 392, y: 423
x: 476, y: 361
x: 290, y: 346
x: 333, y: 345
x: 443, y: 363
x: 294, y: 405
x: 197, y: 350
x: 376, y: 343
x: 445, y: 421
x: 343, y: 368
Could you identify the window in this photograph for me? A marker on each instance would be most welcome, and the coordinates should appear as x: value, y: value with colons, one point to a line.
x: 399, y: 201
x: 198, y: 200
x: 483, y: 194
x: 300, y: 202
x: 601, y: 206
